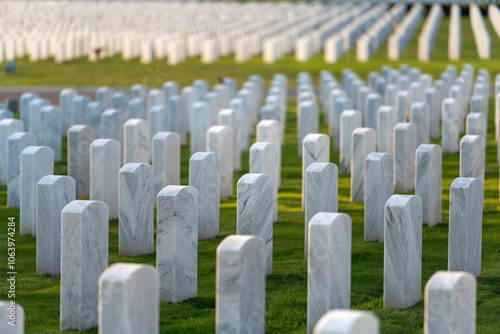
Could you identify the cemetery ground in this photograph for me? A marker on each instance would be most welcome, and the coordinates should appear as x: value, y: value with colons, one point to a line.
x: 286, y: 288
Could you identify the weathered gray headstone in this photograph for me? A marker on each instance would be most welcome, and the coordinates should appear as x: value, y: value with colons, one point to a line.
x: 136, y: 205
x: 240, y: 303
x: 84, y: 256
x: 36, y: 162
x: 53, y: 193
x: 204, y: 175
x: 329, y: 265
x: 428, y: 181
x: 129, y: 299
x: 402, y: 251
x: 177, y: 243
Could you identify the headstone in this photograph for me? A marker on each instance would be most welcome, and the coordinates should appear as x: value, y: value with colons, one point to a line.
x: 170, y: 88
x: 347, y: 322
x: 432, y: 100
x: 158, y: 121
x: 379, y: 187
x: 129, y: 300
x: 9, y: 307
x: 35, y: 123
x: 419, y: 116
x: 105, y: 165
x: 155, y: 99
x: 386, y: 120
x: 176, y: 106
x: 104, y: 96
x: 339, y: 105
x: 349, y: 120
x: 229, y: 118
x: 316, y: 148
x: 450, y: 127
x: 428, y: 181
x: 166, y: 160
x: 476, y: 124
x: 240, y: 303
x: 329, y: 265
x: 66, y: 104
x: 242, y: 111
x: 189, y: 94
x: 472, y: 157
x: 137, y: 108
x: 321, y: 193
x: 264, y: 160
x: 17, y: 142
x: 201, y: 87
x: 79, y: 109
x: 26, y: 99
x: 7, y: 127
x: 465, y: 226
x: 405, y: 144
x: 51, y: 131
x: 84, y: 256
x: 177, y: 243
x: 93, y: 116
x: 402, y: 103
x: 361, y: 104
x: 136, y: 205
x: 53, y: 193
x: 308, y: 121
x: 363, y: 143
x: 112, y: 121
x: 6, y: 114
x: 138, y: 91
x: 36, y: 162
x: 255, y: 211
x: 119, y: 101
x: 220, y: 141
x: 450, y: 303
x: 204, y: 175
x: 136, y: 141
x: 201, y: 120
x: 373, y: 103
x: 402, y: 251
x: 79, y: 139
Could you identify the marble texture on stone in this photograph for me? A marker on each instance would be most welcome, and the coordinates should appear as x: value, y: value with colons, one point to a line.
x: 105, y: 165
x: 379, y: 187
x: 476, y: 124
x: 472, y: 157
x: 158, y: 120
x: 66, y: 104
x: 308, y: 121
x: 347, y: 322
x: 315, y: 148
x: 35, y: 123
x: 51, y: 130
x: 363, y: 143
x: 7, y: 127
x: 349, y: 120
x: 204, y: 175
x: 53, y: 193
x: 402, y: 251
x: 36, y: 162
x: 386, y: 120
x: 136, y: 141
x: 465, y: 225
x: 7, y: 307
x: 450, y: 303
x: 136, y: 205
x: 428, y: 181
x: 450, y: 126
x: 201, y: 120
x: 240, y: 302
x: 84, y: 256
x: 405, y: 144
x: 264, y: 160
x: 373, y: 103
x: 79, y: 109
x: 79, y: 139
x: 329, y: 265
x: 177, y: 243
x: 166, y: 160
x: 229, y: 118
x: 402, y: 105
x: 220, y: 141
x: 419, y: 116
x: 129, y: 299
x: 321, y: 193
x: 25, y: 101
x: 255, y: 211
x: 17, y: 142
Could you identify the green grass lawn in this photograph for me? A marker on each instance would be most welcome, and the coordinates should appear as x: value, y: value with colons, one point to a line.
x: 286, y: 290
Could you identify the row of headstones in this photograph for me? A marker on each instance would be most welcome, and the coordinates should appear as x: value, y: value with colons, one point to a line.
x: 481, y: 35
x: 429, y: 32
x: 455, y: 33
x: 399, y: 39
x: 372, y: 40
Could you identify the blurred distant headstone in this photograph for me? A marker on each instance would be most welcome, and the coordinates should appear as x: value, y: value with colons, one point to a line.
x: 11, y: 104
x: 10, y: 67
